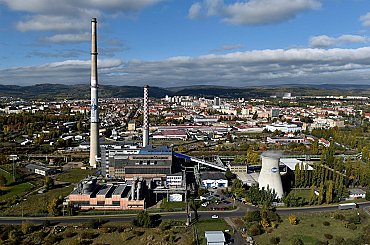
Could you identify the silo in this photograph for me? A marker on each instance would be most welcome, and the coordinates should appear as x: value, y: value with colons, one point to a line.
x: 270, y: 175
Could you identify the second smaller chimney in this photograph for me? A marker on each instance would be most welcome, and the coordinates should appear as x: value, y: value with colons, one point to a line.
x: 146, y: 117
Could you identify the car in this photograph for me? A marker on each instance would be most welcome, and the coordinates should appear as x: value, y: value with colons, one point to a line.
x: 214, y: 216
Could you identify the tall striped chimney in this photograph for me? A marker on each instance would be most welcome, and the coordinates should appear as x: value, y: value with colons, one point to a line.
x: 146, y: 117
x: 94, y: 126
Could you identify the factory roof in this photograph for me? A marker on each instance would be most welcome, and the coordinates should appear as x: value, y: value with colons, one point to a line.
x: 213, y: 175
x: 35, y: 166
x: 158, y: 150
x: 106, y: 190
x: 292, y: 162
x: 215, y: 237
x: 119, y: 190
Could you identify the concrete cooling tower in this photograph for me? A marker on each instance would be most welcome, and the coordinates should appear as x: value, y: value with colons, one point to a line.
x: 270, y: 175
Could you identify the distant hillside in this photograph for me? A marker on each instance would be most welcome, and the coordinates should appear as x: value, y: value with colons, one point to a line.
x: 82, y: 91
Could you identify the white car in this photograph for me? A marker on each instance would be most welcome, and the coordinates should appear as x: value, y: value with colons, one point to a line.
x: 214, y: 216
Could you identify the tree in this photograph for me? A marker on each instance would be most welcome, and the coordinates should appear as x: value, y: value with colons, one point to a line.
x: 26, y: 227
x: 297, y: 176
x: 312, y: 198
x: 293, y: 220
x: 320, y: 199
x: 237, y: 188
x: 3, y: 180
x: 143, y: 219
x: 329, y: 192
x: 194, y: 206
x: 53, y: 206
x: 48, y: 183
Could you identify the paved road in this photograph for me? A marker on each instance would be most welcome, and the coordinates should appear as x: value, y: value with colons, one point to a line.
x: 168, y: 216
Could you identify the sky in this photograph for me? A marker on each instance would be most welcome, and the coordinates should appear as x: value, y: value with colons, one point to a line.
x: 171, y: 43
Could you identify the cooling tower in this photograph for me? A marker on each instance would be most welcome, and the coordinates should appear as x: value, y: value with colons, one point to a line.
x: 270, y: 175
x: 146, y: 117
x: 94, y: 124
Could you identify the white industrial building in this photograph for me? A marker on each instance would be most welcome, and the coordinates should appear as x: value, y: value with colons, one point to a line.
x: 283, y: 127
x: 215, y: 237
x: 214, y: 179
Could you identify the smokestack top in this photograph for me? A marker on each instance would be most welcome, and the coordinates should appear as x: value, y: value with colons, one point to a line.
x: 93, y: 20
x: 146, y: 86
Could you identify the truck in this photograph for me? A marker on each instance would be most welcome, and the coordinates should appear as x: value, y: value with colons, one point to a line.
x: 350, y: 205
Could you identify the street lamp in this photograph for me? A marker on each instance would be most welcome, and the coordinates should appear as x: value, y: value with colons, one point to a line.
x: 13, y: 157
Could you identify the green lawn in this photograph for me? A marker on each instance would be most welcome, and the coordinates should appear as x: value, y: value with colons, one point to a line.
x: 305, y: 193
x: 37, y: 203
x: 13, y: 189
x: 172, y: 205
x: 210, y: 225
x: 75, y: 175
x: 311, y: 228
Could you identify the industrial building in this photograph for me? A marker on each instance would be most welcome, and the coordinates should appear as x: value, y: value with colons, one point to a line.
x: 41, y: 170
x: 214, y: 179
x: 146, y: 162
x: 122, y: 196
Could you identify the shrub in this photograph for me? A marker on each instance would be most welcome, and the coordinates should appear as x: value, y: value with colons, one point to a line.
x: 326, y: 223
x: 355, y: 219
x: 351, y: 226
x: 321, y: 243
x: 293, y: 220
x: 93, y: 223
x: 88, y: 235
x: 275, y: 240
x: 296, y: 241
x: 328, y: 236
x: 69, y: 234
x: 339, y: 216
x: 253, y: 216
x: 254, y: 230
x: 274, y: 224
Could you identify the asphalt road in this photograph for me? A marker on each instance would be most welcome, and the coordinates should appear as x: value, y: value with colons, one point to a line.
x: 168, y: 216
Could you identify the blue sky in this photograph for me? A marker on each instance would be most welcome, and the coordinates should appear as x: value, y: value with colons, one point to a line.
x: 186, y: 42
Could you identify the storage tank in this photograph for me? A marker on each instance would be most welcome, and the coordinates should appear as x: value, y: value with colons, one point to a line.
x: 270, y: 175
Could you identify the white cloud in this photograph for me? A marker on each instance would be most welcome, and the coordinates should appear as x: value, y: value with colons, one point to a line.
x: 52, y: 23
x: 69, y: 15
x: 365, y: 19
x: 61, y: 38
x: 257, y: 12
x: 277, y: 66
x: 194, y: 11
x: 228, y: 47
x: 326, y: 41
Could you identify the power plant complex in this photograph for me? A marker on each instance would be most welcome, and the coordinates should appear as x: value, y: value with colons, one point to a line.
x: 137, y: 175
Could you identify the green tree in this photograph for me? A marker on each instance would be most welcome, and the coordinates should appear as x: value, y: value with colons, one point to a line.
x: 48, y: 182
x: 312, y: 198
x: 329, y: 192
x: 320, y: 199
x: 53, y: 206
x: 3, y: 180
x: 143, y: 219
x: 297, y: 176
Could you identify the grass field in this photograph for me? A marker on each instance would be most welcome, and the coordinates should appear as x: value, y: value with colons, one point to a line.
x: 210, y: 225
x: 172, y: 205
x: 12, y: 189
x: 311, y: 228
x: 133, y: 235
x: 75, y: 175
x: 305, y: 193
x: 37, y: 203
